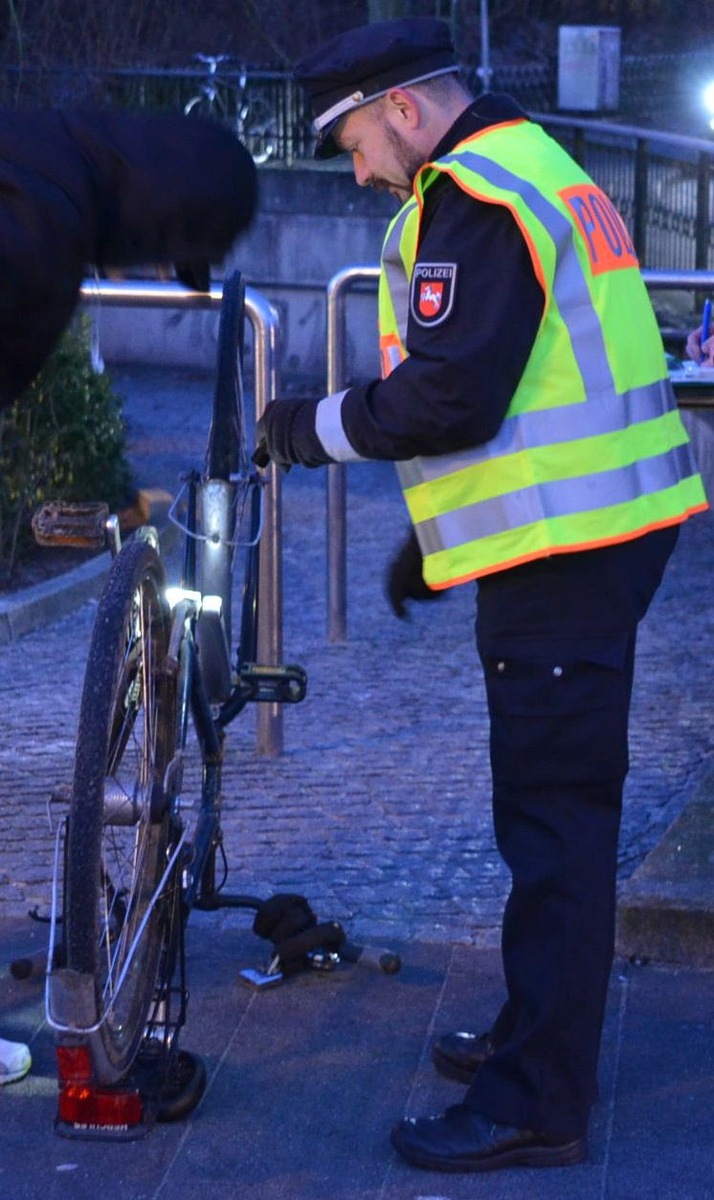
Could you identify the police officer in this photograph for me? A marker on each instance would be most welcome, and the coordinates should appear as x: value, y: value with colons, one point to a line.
x: 526, y: 402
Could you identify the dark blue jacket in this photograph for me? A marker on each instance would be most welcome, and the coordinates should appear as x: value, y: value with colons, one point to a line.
x: 453, y: 390
x: 107, y: 189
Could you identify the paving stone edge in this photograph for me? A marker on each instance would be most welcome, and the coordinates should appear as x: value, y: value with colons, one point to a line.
x: 666, y: 908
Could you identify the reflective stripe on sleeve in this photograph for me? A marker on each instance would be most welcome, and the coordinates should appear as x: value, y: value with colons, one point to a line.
x: 329, y: 429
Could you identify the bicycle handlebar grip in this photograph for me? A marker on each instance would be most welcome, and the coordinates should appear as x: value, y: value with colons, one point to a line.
x: 376, y: 957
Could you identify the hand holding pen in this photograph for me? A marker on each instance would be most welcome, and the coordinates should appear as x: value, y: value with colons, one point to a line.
x: 706, y: 355
x: 694, y: 348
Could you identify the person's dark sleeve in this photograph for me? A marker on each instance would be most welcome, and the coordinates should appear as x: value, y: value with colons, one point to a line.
x: 453, y: 390
x: 105, y: 189
x: 168, y: 188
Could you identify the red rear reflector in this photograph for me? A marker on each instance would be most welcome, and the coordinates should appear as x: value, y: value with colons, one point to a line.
x: 74, y: 1064
x: 93, y: 1108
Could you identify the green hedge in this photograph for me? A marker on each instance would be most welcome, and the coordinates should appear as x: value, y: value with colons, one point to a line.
x: 64, y: 439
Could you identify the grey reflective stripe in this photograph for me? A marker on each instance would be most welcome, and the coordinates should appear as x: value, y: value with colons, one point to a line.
x: 547, y: 427
x: 569, y: 285
x: 560, y: 498
x: 393, y: 266
x: 394, y: 355
x: 329, y: 429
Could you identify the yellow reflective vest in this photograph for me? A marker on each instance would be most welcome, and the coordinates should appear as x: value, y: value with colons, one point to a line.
x: 592, y: 450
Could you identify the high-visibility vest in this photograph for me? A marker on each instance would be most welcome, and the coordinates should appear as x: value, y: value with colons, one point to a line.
x: 592, y: 450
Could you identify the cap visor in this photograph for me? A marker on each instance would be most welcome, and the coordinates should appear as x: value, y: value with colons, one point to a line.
x: 326, y: 146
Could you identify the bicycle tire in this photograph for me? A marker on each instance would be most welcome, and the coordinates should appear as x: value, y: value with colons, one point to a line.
x: 228, y: 480
x: 258, y: 128
x: 115, y: 861
x: 208, y: 108
x: 227, y: 451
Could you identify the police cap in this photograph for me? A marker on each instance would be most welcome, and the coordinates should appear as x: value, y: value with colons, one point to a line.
x: 364, y: 63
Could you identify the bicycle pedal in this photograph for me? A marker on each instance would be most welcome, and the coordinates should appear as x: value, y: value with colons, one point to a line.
x: 81, y: 524
x: 277, y: 685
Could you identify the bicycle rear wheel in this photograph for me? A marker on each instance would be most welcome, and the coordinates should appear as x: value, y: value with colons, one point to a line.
x: 258, y: 128
x: 119, y: 836
x: 227, y: 454
x: 206, y: 105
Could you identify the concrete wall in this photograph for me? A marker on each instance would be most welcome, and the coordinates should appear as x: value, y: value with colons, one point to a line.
x: 313, y: 222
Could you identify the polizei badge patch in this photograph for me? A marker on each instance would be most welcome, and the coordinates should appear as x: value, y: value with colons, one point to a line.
x: 432, y: 294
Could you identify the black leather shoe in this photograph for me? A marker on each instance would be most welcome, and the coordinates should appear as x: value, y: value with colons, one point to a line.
x: 463, y: 1140
x: 459, y: 1055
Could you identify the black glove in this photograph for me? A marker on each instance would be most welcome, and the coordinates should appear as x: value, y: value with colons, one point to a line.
x: 286, y: 434
x: 405, y: 579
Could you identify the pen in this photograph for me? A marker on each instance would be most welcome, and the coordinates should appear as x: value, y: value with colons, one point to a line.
x: 706, y: 322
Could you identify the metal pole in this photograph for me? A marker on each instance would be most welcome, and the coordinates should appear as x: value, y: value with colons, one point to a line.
x: 640, y: 192
x: 485, y: 68
x: 454, y: 20
x: 672, y: 280
x: 336, y: 474
x: 265, y: 323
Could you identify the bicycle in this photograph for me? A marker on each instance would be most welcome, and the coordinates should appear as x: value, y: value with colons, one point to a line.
x: 252, y: 121
x: 128, y: 868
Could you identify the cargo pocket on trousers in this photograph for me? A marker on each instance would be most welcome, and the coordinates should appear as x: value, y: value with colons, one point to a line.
x: 559, y: 713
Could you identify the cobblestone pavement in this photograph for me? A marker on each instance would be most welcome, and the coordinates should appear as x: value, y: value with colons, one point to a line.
x: 378, y: 810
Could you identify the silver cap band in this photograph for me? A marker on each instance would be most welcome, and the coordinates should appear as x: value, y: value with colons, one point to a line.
x: 358, y: 99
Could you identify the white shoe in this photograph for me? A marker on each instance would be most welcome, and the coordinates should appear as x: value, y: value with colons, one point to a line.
x: 15, y: 1061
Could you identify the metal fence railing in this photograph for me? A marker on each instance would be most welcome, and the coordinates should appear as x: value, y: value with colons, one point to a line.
x: 265, y: 108
x: 660, y: 91
x: 661, y: 182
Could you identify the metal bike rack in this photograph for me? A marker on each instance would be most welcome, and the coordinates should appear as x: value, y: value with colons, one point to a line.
x: 265, y: 323
x: 337, y: 290
x: 675, y: 280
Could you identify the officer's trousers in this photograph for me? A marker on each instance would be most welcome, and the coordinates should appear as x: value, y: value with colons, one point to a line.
x: 556, y: 640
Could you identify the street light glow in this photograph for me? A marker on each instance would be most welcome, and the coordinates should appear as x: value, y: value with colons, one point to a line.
x: 708, y: 101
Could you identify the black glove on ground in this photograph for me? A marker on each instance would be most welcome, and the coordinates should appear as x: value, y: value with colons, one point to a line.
x: 286, y: 434
x: 405, y: 579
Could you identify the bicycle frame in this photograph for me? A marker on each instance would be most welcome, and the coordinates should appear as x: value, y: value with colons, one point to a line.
x: 210, y: 693
x: 195, y: 700
x: 209, y: 86
x: 258, y: 135
x: 286, y: 684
